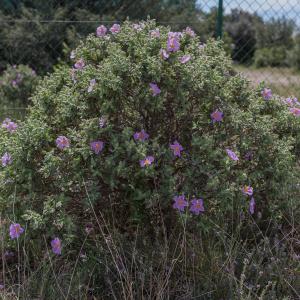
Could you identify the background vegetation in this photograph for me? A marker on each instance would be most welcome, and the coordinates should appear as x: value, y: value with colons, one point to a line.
x: 121, y: 238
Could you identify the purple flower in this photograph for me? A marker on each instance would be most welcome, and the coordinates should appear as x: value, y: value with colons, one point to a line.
x: 97, y: 146
x: 252, y: 206
x: 232, y: 155
x: 216, y: 116
x: 247, y: 190
x: 79, y: 65
x: 184, y: 59
x: 15, y: 230
x: 115, y: 28
x: 177, y: 148
x: 91, y: 86
x: 295, y: 111
x: 56, y: 246
x: 189, y: 31
x: 164, y: 54
x: 73, y: 54
x: 101, y: 31
x: 141, y: 136
x: 197, y: 206
x: 155, y: 89
x: 266, y: 94
x: 173, y: 44
x: 180, y: 203
x: 62, y: 142
x: 155, y: 33
x: 6, y: 159
x: 147, y: 161
x: 9, y: 125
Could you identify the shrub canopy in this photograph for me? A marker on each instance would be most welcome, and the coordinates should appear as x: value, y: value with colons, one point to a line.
x: 80, y: 143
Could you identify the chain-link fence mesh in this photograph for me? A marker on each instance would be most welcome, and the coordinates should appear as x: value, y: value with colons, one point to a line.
x: 265, y: 41
x: 261, y: 36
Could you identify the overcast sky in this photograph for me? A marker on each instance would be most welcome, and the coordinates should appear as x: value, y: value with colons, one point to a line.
x: 265, y: 8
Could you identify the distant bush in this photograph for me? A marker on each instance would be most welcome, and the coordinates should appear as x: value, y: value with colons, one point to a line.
x: 294, y: 54
x: 16, y: 85
x: 271, y: 57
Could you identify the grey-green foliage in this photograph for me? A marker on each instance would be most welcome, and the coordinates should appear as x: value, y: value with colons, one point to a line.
x: 123, y: 66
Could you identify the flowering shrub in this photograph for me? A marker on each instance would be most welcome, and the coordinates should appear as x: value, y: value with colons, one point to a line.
x: 146, y: 119
x: 16, y: 85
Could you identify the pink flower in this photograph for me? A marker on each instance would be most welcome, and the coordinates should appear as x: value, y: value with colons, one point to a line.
x: 216, y: 116
x: 155, y: 33
x: 288, y: 101
x: 247, y: 190
x: 79, y: 65
x: 197, y: 206
x: 137, y: 27
x: 155, y: 89
x: 15, y: 230
x: 147, y: 161
x: 266, y: 93
x: 101, y: 31
x: 232, y: 155
x: 6, y: 159
x: 97, y: 146
x: 184, y: 59
x: 180, y: 203
x: 115, y: 29
x: 176, y: 34
x: 56, y: 246
x: 177, y: 148
x: 173, y: 44
x: 9, y: 125
x: 141, y: 136
x: 295, y: 111
x: 189, y: 31
x: 62, y: 142
x: 164, y: 54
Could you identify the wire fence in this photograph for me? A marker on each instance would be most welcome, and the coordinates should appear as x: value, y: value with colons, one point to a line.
x: 261, y: 36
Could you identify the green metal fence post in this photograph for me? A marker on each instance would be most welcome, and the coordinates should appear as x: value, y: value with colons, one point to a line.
x: 220, y: 20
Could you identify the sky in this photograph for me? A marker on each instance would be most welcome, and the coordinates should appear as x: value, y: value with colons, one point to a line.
x: 265, y: 8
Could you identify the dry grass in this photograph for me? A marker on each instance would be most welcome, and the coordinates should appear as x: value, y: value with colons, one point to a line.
x: 283, y: 81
